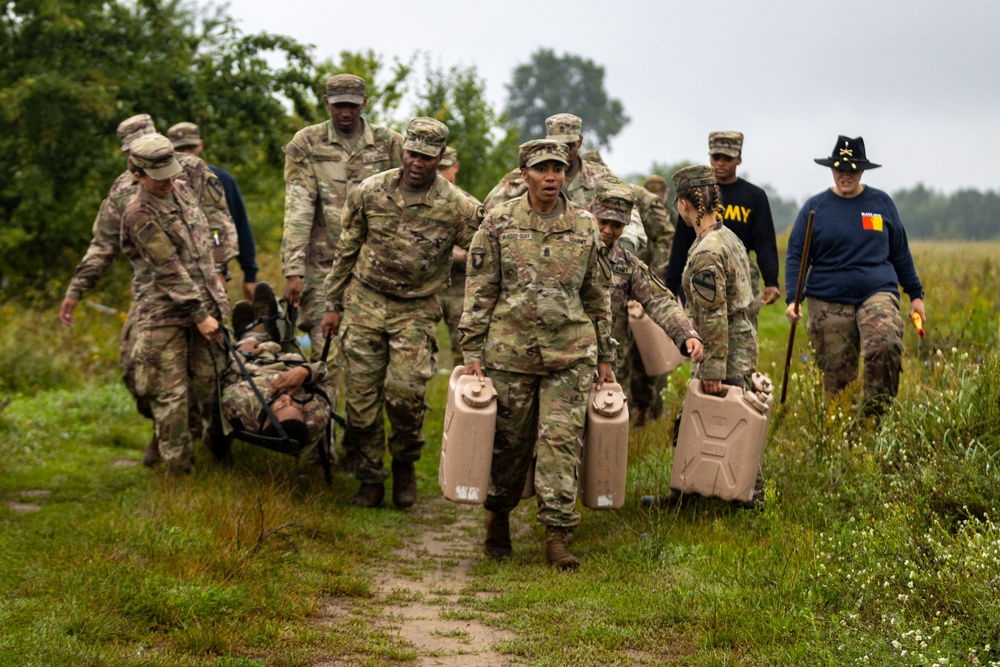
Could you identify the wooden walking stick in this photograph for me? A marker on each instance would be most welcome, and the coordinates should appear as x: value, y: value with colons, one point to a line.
x: 803, y: 265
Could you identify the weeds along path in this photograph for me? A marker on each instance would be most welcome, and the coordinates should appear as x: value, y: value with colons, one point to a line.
x: 417, y: 598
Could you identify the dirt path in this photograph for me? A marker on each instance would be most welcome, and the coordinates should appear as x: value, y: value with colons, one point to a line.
x: 419, y: 593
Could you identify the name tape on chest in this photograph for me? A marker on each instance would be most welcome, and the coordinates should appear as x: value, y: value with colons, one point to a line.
x: 516, y: 236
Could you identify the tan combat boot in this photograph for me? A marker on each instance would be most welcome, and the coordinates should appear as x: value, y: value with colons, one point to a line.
x: 369, y: 495
x: 497, y: 545
x: 557, y: 549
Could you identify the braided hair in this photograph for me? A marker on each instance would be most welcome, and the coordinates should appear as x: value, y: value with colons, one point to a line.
x: 704, y: 198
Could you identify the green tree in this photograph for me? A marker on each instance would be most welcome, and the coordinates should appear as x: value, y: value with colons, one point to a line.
x: 550, y: 84
x: 71, y: 70
x: 486, y: 144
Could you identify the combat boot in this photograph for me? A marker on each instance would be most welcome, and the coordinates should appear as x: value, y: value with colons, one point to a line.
x: 151, y: 456
x: 404, y: 484
x: 265, y: 309
x: 497, y: 545
x: 369, y: 495
x: 242, y: 317
x: 557, y: 549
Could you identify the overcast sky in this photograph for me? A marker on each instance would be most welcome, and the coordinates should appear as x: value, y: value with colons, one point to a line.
x: 918, y: 80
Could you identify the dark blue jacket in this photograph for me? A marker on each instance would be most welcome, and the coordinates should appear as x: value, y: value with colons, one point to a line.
x: 247, y: 256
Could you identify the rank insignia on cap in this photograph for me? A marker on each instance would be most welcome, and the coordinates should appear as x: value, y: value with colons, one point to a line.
x: 704, y: 285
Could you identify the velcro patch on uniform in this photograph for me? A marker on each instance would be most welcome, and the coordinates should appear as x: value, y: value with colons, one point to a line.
x: 375, y: 157
x: 704, y: 285
x: 602, y: 259
x: 621, y: 267
x: 577, y: 240
x: 515, y: 236
x: 155, y: 241
x: 294, y: 151
x: 478, y: 256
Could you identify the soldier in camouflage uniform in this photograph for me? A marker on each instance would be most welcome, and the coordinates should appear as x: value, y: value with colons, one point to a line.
x: 392, y: 260
x: 323, y: 165
x: 106, y: 245
x: 634, y: 281
x: 537, y: 319
x: 180, y: 298
x: 451, y: 299
x: 300, y: 389
x: 716, y: 284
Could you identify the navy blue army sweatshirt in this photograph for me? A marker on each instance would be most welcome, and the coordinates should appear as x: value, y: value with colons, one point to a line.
x: 858, y: 248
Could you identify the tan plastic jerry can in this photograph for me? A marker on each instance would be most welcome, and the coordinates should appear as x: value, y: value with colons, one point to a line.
x: 658, y: 353
x: 604, y: 459
x: 720, y: 444
x: 467, y: 443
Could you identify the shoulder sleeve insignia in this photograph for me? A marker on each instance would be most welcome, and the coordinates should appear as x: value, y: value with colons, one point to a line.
x: 294, y: 151
x: 477, y: 258
x: 657, y: 280
x: 602, y: 259
x: 704, y: 285
x: 215, y: 193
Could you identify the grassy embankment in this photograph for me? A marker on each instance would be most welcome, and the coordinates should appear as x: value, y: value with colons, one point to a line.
x: 875, y: 547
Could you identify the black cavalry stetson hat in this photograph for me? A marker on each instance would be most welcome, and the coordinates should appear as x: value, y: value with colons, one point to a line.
x: 848, y: 155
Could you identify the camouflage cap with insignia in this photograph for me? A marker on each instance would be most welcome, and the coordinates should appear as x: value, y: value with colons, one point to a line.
x: 184, y: 134
x: 345, y: 88
x: 655, y: 184
x: 155, y: 155
x: 563, y: 127
x: 449, y: 159
x: 132, y: 128
x: 613, y: 201
x: 726, y: 143
x: 536, y: 151
x: 426, y: 136
x: 692, y: 177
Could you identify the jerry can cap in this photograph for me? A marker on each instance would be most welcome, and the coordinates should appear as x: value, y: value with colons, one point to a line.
x: 478, y: 394
x: 761, y: 383
x: 609, y: 403
x: 756, y: 401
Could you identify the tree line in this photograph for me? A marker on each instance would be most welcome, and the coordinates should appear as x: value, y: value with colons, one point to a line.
x: 71, y: 70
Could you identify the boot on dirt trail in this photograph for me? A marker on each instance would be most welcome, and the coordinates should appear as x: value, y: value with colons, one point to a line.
x: 404, y: 484
x: 557, y: 549
x: 369, y: 495
x: 497, y: 545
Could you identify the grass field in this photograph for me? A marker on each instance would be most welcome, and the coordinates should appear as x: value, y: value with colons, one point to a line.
x: 876, y: 547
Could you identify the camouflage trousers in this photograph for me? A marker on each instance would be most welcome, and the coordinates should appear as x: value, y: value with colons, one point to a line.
x: 175, y: 367
x: 389, y: 346
x: 754, y: 310
x: 540, y: 416
x: 126, y: 363
x: 241, y: 407
x: 451, y: 312
x: 839, y: 332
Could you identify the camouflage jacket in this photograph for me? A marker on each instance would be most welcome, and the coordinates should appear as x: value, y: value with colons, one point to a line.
x: 717, y: 288
x: 320, y: 173
x: 174, y: 274
x: 401, y: 251
x: 658, y: 222
x: 456, y: 286
x: 209, y: 192
x: 240, y: 404
x: 105, y: 244
x: 536, y: 292
x: 633, y: 281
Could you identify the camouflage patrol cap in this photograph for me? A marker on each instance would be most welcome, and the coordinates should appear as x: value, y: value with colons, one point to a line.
x: 426, y: 136
x: 155, y: 155
x: 592, y: 156
x: 613, y: 201
x: 539, y: 150
x: 563, y: 127
x: 184, y: 134
x: 727, y: 143
x: 449, y: 159
x: 655, y: 184
x: 345, y: 88
x: 132, y: 128
x: 692, y: 177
